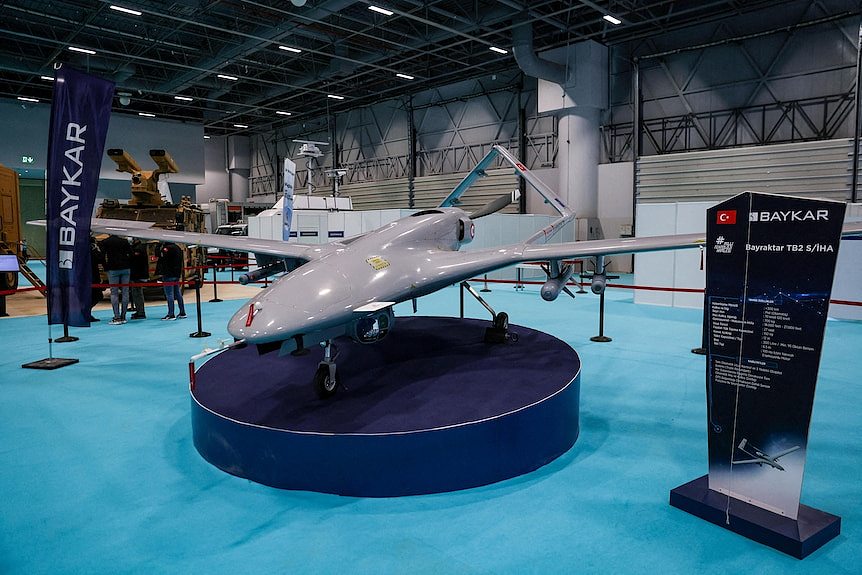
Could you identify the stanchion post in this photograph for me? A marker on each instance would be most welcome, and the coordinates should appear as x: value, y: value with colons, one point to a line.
x: 462, y: 298
x: 200, y: 332
x: 601, y: 338
x: 485, y: 289
x: 215, y: 298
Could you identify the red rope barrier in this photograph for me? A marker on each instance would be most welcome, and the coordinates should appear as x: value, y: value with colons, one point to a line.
x: 635, y: 287
x: 512, y: 282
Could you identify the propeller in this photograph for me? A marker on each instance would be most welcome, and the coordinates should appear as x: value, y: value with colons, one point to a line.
x: 496, y: 205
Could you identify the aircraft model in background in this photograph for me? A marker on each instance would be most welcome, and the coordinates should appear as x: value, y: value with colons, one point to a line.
x: 349, y: 286
x: 760, y: 457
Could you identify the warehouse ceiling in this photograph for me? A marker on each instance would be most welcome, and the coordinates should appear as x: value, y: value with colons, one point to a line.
x: 266, y: 63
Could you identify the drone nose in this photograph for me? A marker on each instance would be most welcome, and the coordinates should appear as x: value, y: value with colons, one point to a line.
x: 253, y: 322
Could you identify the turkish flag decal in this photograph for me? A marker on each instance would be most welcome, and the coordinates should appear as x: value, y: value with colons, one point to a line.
x: 726, y: 217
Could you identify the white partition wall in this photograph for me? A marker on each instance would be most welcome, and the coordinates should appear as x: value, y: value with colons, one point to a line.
x: 672, y: 269
x: 848, y: 273
x: 682, y: 268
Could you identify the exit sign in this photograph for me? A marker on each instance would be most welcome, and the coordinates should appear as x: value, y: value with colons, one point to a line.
x: 27, y: 159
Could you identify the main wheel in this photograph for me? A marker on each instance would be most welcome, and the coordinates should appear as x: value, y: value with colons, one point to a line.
x: 9, y: 281
x: 324, y: 385
x: 501, y: 321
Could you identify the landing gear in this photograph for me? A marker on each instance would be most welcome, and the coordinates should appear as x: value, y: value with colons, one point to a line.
x: 499, y: 330
x: 325, y: 378
x: 325, y: 384
x: 501, y: 320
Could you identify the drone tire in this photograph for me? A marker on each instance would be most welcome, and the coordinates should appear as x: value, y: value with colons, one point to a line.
x: 501, y: 321
x: 324, y: 385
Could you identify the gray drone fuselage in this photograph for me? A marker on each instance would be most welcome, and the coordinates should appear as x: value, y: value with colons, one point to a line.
x: 355, y: 279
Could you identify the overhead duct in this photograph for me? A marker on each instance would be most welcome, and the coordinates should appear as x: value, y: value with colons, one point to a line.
x: 529, y: 62
x: 572, y: 84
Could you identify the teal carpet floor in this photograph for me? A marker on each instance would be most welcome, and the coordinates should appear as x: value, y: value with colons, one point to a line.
x: 98, y: 472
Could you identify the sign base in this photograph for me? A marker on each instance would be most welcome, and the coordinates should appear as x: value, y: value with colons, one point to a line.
x: 798, y: 538
x: 50, y: 363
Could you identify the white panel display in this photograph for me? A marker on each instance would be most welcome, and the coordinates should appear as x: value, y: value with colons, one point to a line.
x: 655, y: 269
x: 690, y: 219
x: 848, y: 273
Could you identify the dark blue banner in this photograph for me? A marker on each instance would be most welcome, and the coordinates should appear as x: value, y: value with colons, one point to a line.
x: 768, y: 280
x: 80, y: 112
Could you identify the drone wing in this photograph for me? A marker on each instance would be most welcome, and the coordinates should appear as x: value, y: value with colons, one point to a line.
x: 453, y: 267
x: 785, y: 452
x: 458, y: 266
x: 145, y: 230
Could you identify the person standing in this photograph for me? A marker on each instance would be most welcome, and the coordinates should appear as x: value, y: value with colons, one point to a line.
x: 170, y: 267
x: 139, y: 273
x: 118, y: 258
x: 96, y: 259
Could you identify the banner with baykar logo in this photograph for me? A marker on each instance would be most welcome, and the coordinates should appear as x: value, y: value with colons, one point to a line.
x: 768, y: 282
x: 80, y: 112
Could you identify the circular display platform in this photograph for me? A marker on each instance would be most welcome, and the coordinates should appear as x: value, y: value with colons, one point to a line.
x: 430, y: 408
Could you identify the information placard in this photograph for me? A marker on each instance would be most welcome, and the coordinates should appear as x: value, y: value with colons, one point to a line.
x: 768, y: 281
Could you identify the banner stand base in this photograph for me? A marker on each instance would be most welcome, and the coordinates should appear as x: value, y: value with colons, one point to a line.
x: 50, y: 363
x: 798, y: 538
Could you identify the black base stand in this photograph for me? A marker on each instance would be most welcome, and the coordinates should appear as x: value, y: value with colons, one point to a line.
x: 215, y: 298
x: 66, y: 337
x: 799, y: 538
x: 200, y: 332
x: 699, y: 351
x: 601, y: 338
x: 50, y: 363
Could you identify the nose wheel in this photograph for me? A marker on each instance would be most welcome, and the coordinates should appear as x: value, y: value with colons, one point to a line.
x: 325, y: 378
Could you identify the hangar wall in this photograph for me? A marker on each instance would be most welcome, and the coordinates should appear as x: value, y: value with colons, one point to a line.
x: 820, y: 169
x: 726, y: 83
x: 453, y: 127
x: 791, y: 84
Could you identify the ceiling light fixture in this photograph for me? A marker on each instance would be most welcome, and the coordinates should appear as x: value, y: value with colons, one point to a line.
x: 380, y: 10
x: 226, y: 77
x: 146, y: 114
x: 290, y: 49
x: 47, y: 78
x: 184, y: 98
x: 280, y: 113
x: 206, y: 137
x: 24, y: 99
x: 81, y: 50
x: 405, y: 76
x: 498, y: 50
x: 124, y: 10
x: 240, y: 126
x: 335, y: 97
x: 612, y: 20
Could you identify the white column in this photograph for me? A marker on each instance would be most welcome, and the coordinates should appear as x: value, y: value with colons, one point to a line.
x: 578, y: 158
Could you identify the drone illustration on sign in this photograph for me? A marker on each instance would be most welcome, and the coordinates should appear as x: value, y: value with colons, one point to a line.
x: 349, y: 286
x: 762, y: 458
